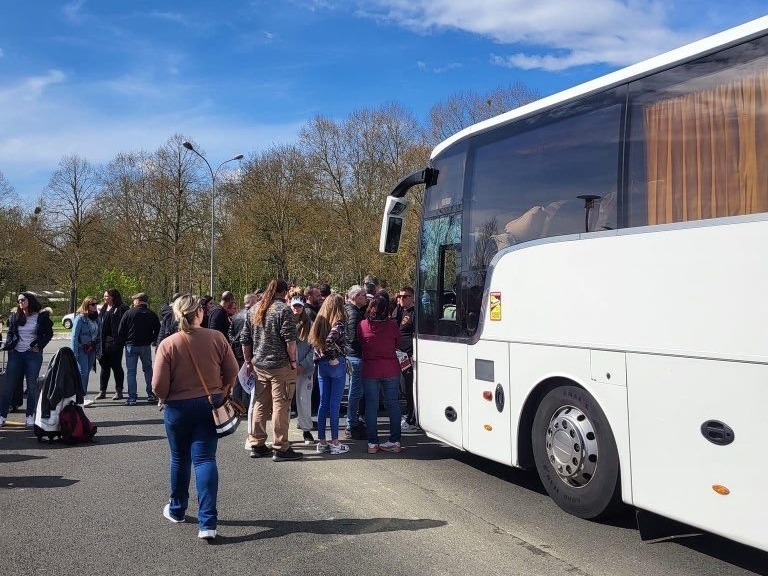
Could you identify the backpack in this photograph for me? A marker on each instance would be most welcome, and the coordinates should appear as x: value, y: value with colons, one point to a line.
x: 75, y: 426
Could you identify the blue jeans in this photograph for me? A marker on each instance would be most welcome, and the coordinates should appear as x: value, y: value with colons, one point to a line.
x: 391, y: 388
x: 192, y: 439
x: 21, y: 365
x: 355, y: 392
x: 85, y: 362
x: 331, y: 381
x: 132, y: 356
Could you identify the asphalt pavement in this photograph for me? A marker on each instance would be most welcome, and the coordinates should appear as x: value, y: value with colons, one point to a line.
x: 97, y: 509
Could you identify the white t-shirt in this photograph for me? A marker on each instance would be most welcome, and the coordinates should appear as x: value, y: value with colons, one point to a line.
x: 27, y: 333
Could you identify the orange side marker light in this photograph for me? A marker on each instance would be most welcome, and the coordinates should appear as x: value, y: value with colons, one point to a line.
x: 722, y: 490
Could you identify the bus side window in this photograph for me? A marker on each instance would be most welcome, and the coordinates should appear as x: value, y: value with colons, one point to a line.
x: 450, y: 257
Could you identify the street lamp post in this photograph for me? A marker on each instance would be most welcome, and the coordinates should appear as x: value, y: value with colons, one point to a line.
x: 189, y: 146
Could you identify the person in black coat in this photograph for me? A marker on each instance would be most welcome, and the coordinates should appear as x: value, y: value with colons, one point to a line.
x: 110, y: 354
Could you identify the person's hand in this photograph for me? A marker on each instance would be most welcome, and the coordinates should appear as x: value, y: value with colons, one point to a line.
x: 248, y: 368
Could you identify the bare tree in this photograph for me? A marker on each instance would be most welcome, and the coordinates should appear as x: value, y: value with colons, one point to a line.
x: 71, y: 218
x: 466, y: 108
x: 176, y: 210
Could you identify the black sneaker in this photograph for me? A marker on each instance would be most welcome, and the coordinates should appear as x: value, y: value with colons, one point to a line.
x: 100, y: 396
x: 152, y: 399
x: 289, y: 454
x: 260, y: 451
x: 308, y: 438
x: 130, y: 402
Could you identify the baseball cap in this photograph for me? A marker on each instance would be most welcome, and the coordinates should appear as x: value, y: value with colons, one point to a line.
x: 297, y: 301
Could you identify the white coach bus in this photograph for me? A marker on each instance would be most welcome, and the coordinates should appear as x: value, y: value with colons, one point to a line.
x: 593, y: 288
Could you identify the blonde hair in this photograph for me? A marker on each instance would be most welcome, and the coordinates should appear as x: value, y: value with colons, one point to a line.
x: 83, y: 310
x: 184, y: 309
x: 331, y: 312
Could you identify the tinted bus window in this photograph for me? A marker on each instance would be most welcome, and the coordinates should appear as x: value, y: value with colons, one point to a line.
x: 699, y: 139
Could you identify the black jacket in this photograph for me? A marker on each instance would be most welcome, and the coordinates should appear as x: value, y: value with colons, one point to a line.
x: 405, y: 320
x: 355, y: 315
x: 61, y: 380
x: 138, y: 327
x: 235, y: 328
x: 168, y: 323
x: 218, y: 319
x: 42, y: 337
x: 110, y: 325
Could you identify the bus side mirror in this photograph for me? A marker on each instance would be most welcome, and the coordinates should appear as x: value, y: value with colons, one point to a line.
x: 392, y: 224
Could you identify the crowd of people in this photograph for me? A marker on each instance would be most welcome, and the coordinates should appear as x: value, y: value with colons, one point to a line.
x: 292, y: 340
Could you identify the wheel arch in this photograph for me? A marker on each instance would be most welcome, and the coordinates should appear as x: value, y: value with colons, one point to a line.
x: 524, y: 437
x: 528, y: 412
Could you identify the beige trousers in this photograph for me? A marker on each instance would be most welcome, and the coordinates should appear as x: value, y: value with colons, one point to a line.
x: 272, y: 393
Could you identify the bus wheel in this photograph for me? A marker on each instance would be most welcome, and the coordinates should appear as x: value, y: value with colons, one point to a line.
x: 575, y: 453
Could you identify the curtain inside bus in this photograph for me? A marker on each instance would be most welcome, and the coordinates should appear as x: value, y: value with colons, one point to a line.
x: 707, y: 152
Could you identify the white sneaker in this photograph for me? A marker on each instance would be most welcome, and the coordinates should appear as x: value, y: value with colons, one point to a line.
x: 30, y: 421
x: 206, y: 534
x: 339, y: 448
x: 87, y: 402
x: 322, y: 448
x: 405, y: 427
x: 2, y: 421
x: 390, y: 446
x: 167, y: 514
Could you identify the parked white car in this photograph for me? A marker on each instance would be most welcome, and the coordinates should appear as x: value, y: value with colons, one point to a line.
x: 68, y: 320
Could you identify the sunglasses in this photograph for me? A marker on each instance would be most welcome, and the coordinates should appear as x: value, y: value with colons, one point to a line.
x: 20, y: 300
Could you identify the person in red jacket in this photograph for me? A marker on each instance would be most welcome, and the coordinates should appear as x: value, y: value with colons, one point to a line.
x: 379, y: 335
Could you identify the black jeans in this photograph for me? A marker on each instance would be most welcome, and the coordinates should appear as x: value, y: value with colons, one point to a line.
x: 112, y: 361
x: 410, y: 409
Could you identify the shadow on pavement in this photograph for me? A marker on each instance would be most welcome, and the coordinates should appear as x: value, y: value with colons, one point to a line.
x: 120, y: 439
x: 348, y: 526
x: 35, y: 482
x: 728, y: 551
x: 111, y: 423
x: 19, y: 457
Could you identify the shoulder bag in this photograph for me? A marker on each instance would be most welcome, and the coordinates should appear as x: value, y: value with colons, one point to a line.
x: 226, y: 416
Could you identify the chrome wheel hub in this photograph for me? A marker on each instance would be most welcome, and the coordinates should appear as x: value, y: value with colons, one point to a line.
x: 572, y: 446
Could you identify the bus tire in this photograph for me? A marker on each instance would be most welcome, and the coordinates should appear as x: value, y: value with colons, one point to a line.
x: 575, y: 453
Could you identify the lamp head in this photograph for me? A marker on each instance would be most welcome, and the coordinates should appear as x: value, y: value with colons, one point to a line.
x: 238, y: 157
x: 187, y: 145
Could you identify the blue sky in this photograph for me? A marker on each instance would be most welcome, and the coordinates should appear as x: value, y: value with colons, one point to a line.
x: 98, y: 77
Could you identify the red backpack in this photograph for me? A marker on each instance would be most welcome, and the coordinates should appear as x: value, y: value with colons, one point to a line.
x: 75, y: 426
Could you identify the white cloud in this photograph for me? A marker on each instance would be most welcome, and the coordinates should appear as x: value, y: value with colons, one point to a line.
x: 29, y: 89
x: 72, y: 11
x: 41, y: 125
x: 568, y: 33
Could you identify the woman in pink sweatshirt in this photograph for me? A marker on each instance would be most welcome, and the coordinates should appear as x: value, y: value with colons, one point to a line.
x: 379, y: 335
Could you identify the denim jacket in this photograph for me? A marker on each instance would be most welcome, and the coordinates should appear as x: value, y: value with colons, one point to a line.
x: 84, y: 332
